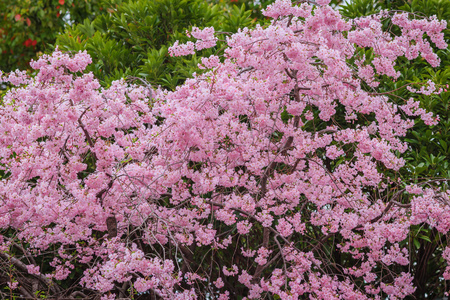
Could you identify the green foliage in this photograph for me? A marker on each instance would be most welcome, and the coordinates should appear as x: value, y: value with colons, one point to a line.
x: 134, y: 37
x: 439, y: 8
x: 358, y: 8
x: 255, y: 7
x: 28, y: 27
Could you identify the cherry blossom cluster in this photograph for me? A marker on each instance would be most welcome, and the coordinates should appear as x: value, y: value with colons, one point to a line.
x: 263, y: 175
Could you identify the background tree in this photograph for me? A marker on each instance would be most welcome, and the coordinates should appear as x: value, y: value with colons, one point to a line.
x: 134, y: 37
x: 30, y: 27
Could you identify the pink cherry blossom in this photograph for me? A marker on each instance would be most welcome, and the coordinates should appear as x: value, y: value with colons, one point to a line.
x: 253, y: 177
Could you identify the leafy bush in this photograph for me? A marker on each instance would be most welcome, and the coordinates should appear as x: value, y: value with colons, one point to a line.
x: 133, y: 38
x: 30, y: 27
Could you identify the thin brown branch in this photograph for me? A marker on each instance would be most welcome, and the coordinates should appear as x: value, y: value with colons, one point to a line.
x: 23, y: 267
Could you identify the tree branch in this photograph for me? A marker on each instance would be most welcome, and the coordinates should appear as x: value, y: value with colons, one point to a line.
x: 23, y: 267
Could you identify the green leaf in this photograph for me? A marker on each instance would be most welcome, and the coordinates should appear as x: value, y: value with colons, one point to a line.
x: 424, y: 237
x: 443, y: 145
x: 416, y: 243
